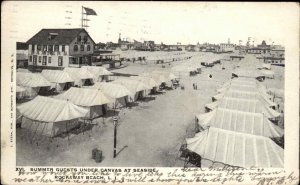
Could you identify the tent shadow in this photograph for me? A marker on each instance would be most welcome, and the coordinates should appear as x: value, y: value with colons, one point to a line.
x: 111, y: 113
x: 148, y: 98
x: 158, y: 93
x: 132, y: 104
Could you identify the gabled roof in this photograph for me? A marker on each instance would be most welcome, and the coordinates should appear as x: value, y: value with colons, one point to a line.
x: 62, y: 36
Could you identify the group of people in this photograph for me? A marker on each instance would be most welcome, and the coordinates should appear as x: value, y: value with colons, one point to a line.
x: 195, y: 86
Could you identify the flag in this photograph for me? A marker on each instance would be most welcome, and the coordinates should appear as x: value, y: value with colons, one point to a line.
x: 89, y: 11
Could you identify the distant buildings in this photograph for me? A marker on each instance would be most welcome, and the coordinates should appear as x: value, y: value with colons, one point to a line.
x: 60, y: 48
x: 263, y: 48
x: 270, y: 54
x: 227, y: 47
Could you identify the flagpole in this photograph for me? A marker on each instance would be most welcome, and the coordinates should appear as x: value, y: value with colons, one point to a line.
x: 81, y: 16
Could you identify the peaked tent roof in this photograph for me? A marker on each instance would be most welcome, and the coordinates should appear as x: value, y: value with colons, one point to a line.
x: 238, y: 121
x: 147, y: 80
x: 264, y: 98
x: 31, y: 80
x: 46, y: 109
x: 97, y: 71
x: 159, y: 78
x: 247, y: 73
x: 78, y: 73
x: 132, y: 85
x: 237, y: 149
x: 84, y: 96
x: 57, y: 76
x: 245, y: 105
x: 113, y: 90
x: 63, y: 36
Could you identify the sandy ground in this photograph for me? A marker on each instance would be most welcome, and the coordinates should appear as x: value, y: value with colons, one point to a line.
x: 149, y: 134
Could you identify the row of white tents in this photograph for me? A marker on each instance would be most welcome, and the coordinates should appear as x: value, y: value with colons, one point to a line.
x: 29, y: 84
x: 42, y: 116
x: 238, y: 127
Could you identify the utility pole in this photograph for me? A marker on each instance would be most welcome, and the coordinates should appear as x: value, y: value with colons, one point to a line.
x: 115, y: 122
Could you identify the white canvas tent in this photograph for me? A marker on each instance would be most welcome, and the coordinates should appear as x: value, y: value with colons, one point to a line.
x: 158, y: 78
x: 247, y: 73
x: 137, y: 88
x: 20, y: 92
x: 116, y: 92
x: 264, y: 98
x: 247, y: 88
x: 245, y: 105
x: 238, y: 121
x: 59, y: 79
x: 276, y: 92
x: 81, y: 76
x: 268, y: 73
x: 93, y: 99
x: 236, y: 149
x: 32, y: 83
x: 100, y: 73
x: 49, y: 116
x: 240, y: 81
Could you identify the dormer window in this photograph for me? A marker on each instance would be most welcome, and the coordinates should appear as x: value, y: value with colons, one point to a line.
x: 52, y: 36
x: 78, y: 38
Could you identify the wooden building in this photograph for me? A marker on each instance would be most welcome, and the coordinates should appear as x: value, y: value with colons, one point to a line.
x: 60, y: 48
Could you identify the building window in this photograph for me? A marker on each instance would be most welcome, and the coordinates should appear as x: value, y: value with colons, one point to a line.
x: 44, y: 60
x: 30, y: 58
x: 44, y: 47
x: 34, y: 59
x: 39, y: 47
x: 56, y: 48
x: 32, y: 49
x: 88, y: 48
x: 49, y: 60
x: 81, y: 47
x: 73, y: 60
x: 85, y: 38
x: 78, y: 38
x: 40, y: 59
x: 60, y: 61
x: 63, y: 48
x: 75, y: 48
x: 50, y: 48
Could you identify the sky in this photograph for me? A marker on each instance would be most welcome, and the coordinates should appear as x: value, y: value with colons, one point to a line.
x: 167, y: 22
